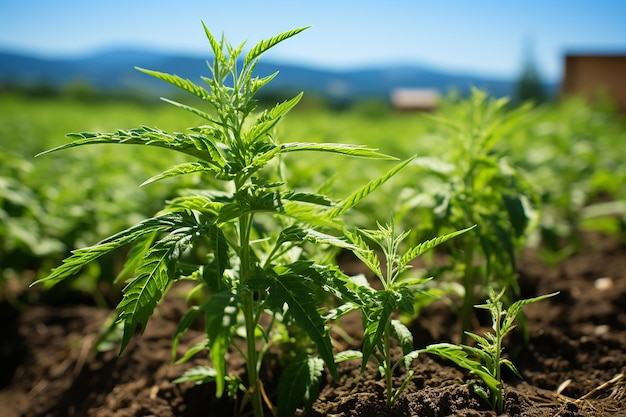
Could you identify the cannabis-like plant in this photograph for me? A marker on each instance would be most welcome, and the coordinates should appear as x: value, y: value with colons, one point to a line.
x: 485, y: 359
x: 397, y: 295
x: 245, y: 240
x: 476, y: 183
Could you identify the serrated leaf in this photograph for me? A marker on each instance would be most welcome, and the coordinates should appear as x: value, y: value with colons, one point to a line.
x: 264, y: 45
x: 135, y: 256
x: 179, y: 82
x: 308, y: 214
x: 257, y: 83
x: 199, y: 375
x: 376, y: 323
x: 193, y: 350
x: 311, y: 198
x: 512, y: 367
x: 140, y: 136
x: 340, y: 148
x: 353, y: 199
x: 221, y: 259
x: 145, y: 291
x: 348, y: 355
x: 458, y: 355
x: 290, y: 287
x: 321, y: 238
x: 365, y: 254
x: 215, y: 45
x: 514, y: 310
x: 265, y: 122
x: 81, y: 257
x: 429, y: 244
x: 298, y: 383
x: 403, y: 335
x: 196, y: 202
x: 182, y: 169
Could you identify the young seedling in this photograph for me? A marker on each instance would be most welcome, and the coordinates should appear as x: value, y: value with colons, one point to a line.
x: 485, y: 360
x: 396, y: 295
x: 245, y: 240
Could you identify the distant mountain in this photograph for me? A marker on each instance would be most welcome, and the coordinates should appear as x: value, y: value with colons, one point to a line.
x: 113, y: 71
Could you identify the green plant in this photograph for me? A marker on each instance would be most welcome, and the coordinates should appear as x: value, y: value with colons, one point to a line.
x: 485, y: 360
x: 474, y: 182
x: 397, y: 294
x: 248, y: 241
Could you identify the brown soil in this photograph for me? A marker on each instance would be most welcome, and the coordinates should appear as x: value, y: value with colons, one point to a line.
x: 573, y: 364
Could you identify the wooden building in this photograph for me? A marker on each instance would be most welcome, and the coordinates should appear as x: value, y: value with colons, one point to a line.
x: 593, y: 74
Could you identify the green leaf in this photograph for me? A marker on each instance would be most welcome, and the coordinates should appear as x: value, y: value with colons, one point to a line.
x: 348, y: 355
x: 376, y: 322
x: 515, y: 309
x: 215, y: 45
x: 144, y: 292
x: 264, y: 123
x: 458, y: 355
x: 182, y: 169
x: 190, y: 109
x: 81, y: 257
x: 199, y: 375
x: 340, y: 148
x: 429, y: 244
x: 308, y: 214
x: 135, y: 256
x: 320, y: 238
x: 512, y: 367
x: 365, y: 254
x: 221, y: 259
x: 183, y: 325
x: 257, y: 83
x: 194, y: 350
x: 220, y: 316
x: 290, y: 286
x: 403, y: 335
x: 199, y: 203
x: 517, y: 215
x: 299, y: 382
x: 180, y: 142
x: 311, y: 198
x: 179, y: 82
x: 353, y: 199
x: 264, y: 45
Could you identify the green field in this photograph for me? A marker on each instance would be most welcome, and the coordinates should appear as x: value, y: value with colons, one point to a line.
x: 571, y: 155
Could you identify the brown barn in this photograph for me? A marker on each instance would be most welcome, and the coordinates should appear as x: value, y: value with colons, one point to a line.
x: 593, y: 74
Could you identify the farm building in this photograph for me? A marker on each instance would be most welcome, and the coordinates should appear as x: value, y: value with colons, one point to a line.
x: 414, y: 99
x: 593, y: 74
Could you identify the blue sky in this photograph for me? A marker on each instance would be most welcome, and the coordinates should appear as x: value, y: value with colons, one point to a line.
x: 480, y: 36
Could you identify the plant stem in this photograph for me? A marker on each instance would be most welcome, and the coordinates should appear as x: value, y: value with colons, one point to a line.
x: 499, y: 402
x: 468, y: 296
x: 387, y: 356
x: 254, y: 390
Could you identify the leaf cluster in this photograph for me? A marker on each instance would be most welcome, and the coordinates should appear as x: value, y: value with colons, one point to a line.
x: 484, y: 360
x: 246, y: 241
x: 396, y: 296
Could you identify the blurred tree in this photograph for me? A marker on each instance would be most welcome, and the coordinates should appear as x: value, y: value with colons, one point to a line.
x: 529, y: 84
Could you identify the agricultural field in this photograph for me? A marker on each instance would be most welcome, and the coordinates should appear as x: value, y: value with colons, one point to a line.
x: 295, y: 260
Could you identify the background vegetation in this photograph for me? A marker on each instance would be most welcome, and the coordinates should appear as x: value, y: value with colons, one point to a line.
x: 571, y: 152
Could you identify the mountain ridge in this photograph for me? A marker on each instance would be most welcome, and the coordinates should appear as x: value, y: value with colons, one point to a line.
x: 113, y: 70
